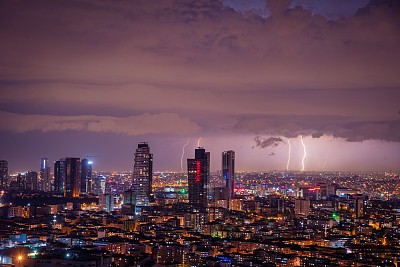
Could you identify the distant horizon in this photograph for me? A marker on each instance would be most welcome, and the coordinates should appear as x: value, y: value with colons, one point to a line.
x: 237, y: 171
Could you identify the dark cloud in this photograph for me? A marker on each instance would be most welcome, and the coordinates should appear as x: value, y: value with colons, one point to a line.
x: 267, y: 142
x: 164, y: 123
x: 347, y: 128
x: 317, y: 135
x: 197, y: 67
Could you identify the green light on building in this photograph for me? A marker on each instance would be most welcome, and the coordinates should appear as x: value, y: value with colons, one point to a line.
x: 335, y: 216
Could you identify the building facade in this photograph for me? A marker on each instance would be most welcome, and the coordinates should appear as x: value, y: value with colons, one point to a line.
x: 143, y: 175
x: 3, y: 174
x: 198, y: 176
x: 31, y: 181
x: 59, y: 176
x: 72, y: 177
x: 44, y: 175
x: 67, y: 176
x: 86, y: 176
x: 228, y: 171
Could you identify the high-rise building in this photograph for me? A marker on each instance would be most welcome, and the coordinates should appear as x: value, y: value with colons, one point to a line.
x: 72, y: 177
x: 21, y: 182
x: 59, y: 176
x: 359, y: 207
x: 302, y: 207
x: 143, y: 175
x: 45, y: 179
x: 31, y: 180
x: 129, y: 197
x: 99, y: 185
x: 228, y: 171
x: 67, y: 176
x: 108, y: 202
x: 198, y: 176
x: 86, y: 176
x: 3, y: 174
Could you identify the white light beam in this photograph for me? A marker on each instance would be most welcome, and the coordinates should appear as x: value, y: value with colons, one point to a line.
x: 304, y: 155
x: 290, y: 151
x: 183, y: 153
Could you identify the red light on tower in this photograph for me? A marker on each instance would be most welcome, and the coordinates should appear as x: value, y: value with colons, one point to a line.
x: 198, y: 172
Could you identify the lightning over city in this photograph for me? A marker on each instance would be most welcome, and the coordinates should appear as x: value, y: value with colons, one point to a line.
x: 304, y: 153
x: 183, y: 153
x: 289, y: 154
x: 198, y: 142
x: 258, y: 132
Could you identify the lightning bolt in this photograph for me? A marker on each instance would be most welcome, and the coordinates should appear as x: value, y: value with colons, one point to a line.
x: 290, y: 151
x: 198, y: 142
x: 183, y: 153
x: 305, y: 153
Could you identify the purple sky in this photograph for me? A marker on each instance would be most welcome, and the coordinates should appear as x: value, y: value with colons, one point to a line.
x: 88, y: 77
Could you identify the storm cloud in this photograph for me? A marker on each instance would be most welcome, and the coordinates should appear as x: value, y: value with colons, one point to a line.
x: 267, y: 142
x: 201, y: 68
x: 164, y: 123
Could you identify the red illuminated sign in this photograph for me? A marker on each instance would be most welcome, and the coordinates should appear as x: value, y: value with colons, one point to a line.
x: 239, y: 189
x: 314, y: 189
x: 198, y: 172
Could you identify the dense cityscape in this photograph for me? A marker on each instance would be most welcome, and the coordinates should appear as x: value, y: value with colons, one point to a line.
x: 186, y: 133
x: 69, y: 214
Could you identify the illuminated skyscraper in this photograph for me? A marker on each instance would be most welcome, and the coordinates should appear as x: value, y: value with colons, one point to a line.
x: 45, y: 179
x: 143, y: 175
x: 86, y: 176
x: 3, y: 174
x: 21, y: 181
x: 228, y: 171
x: 108, y: 202
x: 198, y: 176
x: 99, y: 185
x: 72, y: 177
x: 67, y: 176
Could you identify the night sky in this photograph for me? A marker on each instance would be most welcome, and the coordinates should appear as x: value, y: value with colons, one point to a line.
x: 93, y: 78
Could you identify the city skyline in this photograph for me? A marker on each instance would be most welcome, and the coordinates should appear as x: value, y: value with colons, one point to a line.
x: 256, y: 77
x: 280, y: 162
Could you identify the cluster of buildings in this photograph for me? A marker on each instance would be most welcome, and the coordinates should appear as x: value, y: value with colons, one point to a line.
x: 82, y: 218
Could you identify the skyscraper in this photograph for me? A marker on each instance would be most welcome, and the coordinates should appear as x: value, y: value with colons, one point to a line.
x: 72, y: 177
x: 59, y: 176
x: 86, y: 176
x: 143, y: 175
x: 31, y: 181
x: 108, y: 202
x: 21, y: 182
x: 228, y: 171
x: 45, y: 179
x: 3, y: 174
x: 67, y: 176
x: 198, y: 176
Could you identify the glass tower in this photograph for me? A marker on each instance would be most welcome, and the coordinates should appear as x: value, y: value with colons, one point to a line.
x: 143, y: 175
x: 198, y: 176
